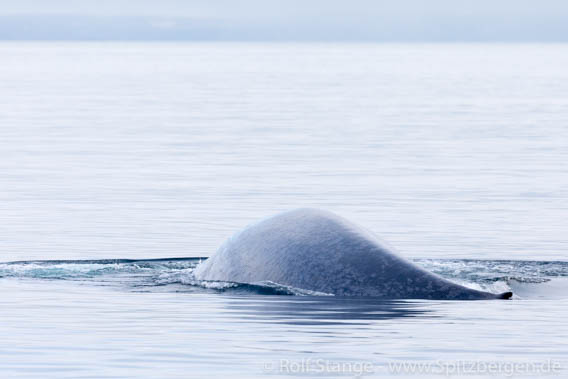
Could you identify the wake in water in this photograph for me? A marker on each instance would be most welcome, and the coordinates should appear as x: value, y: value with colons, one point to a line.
x: 527, y: 279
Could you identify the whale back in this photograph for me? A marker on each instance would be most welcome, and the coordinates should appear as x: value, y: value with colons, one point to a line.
x: 320, y: 251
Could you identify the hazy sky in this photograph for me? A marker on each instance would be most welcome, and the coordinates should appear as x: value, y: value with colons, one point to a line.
x: 286, y: 20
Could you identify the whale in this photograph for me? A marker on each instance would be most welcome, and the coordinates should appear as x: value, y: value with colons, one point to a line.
x: 319, y: 251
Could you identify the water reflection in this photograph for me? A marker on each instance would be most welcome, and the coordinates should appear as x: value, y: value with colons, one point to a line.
x: 325, y: 310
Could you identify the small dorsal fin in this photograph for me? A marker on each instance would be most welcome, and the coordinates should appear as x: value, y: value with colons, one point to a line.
x: 505, y: 295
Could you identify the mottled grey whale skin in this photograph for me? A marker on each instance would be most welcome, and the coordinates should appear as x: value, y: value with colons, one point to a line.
x: 320, y: 251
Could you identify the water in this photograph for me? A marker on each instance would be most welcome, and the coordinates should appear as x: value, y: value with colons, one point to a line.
x: 112, y: 154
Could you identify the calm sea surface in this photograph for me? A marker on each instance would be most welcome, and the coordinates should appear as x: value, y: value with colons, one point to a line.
x: 112, y: 154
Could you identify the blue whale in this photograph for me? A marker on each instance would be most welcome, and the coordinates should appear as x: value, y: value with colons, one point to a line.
x: 319, y: 251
